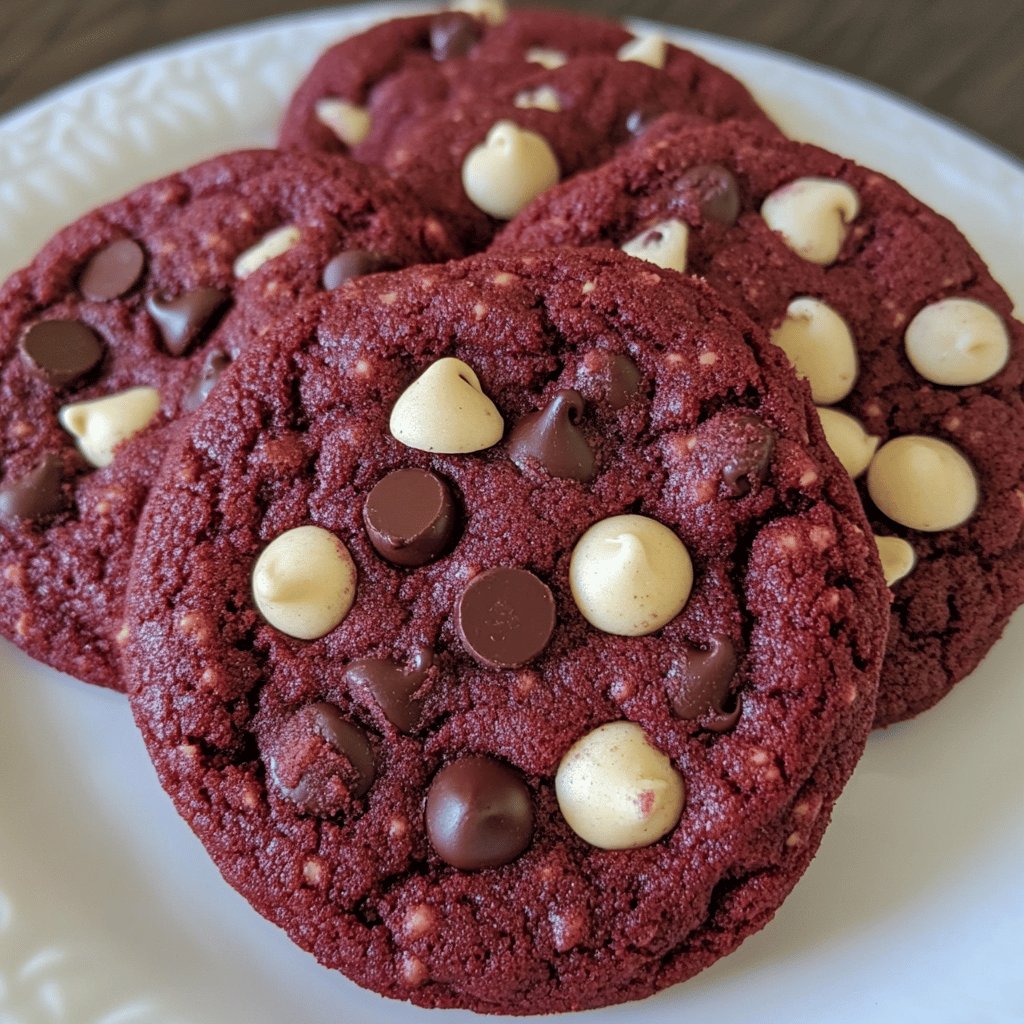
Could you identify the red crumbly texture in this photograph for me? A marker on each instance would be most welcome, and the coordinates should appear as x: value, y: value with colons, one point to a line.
x: 63, y: 578
x: 426, y: 115
x: 787, y: 571
x: 898, y: 257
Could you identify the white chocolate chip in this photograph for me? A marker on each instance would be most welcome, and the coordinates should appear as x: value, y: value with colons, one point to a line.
x: 277, y: 243
x: 812, y: 215
x: 630, y: 575
x: 818, y: 343
x: 494, y: 12
x: 544, y: 97
x: 957, y: 342
x: 508, y: 169
x: 445, y: 410
x: 923, y: 483
x: 647, y: 49
x: 846, y: 436
x: 663, y: 244
x: 546, y: 57
x: 898, y: 558
x: 304, y: 582
x: 616, y: 790
x: 101, y: 424
x: 349, y: 121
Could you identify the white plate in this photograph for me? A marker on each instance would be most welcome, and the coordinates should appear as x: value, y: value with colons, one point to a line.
x: 110, y: 910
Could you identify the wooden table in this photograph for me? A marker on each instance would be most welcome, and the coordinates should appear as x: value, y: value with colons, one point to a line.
x: 964, y: 60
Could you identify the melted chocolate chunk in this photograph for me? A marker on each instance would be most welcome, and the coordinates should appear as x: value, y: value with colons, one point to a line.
x: 394, y: 687
x: 699, y: 685
x: 479, y: 813
x: 36, y: 494
x: 410, y: 517
x: 349, y: 264
x: 216, y: 362
x: 182, y: 318
x: 552, y: 438
x: 112, y: 271
x: 453, y: 34
x: 62, y: 350
x: 319, y: 761
x: 505, y: 617
x: 716, y: 192
x: 751, y: 451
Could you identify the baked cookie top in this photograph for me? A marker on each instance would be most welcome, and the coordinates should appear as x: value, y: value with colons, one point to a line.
x: 511, y: 645
x: 911, y: 349
x: 122, y: 323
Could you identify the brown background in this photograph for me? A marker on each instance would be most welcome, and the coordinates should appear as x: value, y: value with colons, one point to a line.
x: 961, y: 58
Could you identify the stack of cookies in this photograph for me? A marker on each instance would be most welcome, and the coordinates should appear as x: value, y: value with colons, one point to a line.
x: 510, y: 504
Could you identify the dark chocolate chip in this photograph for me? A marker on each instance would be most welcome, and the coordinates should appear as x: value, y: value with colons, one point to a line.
x: 349, y: 264
x: 182, y: 318
x: 699, y: 685
x: 639, y: 120
x: 62, y: 350
x: 410, y: 517
x: 716, y: 192
x: 453, y: 35
x: 319, y: 761
x: 623, y: 380
x: 216, y: 362
x: 479, y: 813
x: 505, y: 617
x: 752, y: 445
x: 393, y: 686
x: 112, y: 271
x: 36, y: 494
x: 552, y: 438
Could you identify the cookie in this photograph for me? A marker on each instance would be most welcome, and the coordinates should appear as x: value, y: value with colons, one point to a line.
x: 909, y: 345
x: 511, y: 646
x: 122, y: 323
x: 419, y: 95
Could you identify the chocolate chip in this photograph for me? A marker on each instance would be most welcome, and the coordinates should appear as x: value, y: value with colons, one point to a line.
x: 639, y: 120
x: 699, y: 685
x: 216, y: 362
x: 479, y: 813
x: 36, y: 494
x: 182, y: 318
x: 505, y: 617
x: 319, y: 761
x: 623, y: 380
x: 62, y: 350
x: 112, y: 271
x: 394, y: 687
x: 752, y: 444
x: 716, y: 191
x: 453, y: 35
x: 349, y: 264
x: 552, y: 438
x: 410, y: 517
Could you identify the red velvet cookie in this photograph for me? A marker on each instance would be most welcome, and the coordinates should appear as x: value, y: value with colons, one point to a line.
x: 142, y: 303
x: 416, y: 95
x: 894, y: 319
x: 511, y: 646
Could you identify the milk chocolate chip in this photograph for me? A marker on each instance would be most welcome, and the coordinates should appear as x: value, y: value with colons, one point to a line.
x: 453, y: 34
x: 747, y: 462
x: 479, y: 813
x: 216, y: 362
x: 36, y: 494
x: 62, y: 350
x: 394, y: 687
x: 112, y: 271
x: 715, y: 189
x: 410, y: 517
x: 552, y: 438
x: 699, y: 685
x: 349, y: 264
x: 182, y: 318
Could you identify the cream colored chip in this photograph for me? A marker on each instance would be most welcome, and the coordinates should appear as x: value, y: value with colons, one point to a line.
x: 812, y: 215
x: 101, y: 424
x: 616, y: 790
x: 630, y: 575
x: 923, y: 483
x: 846, y: 436
x: 818, y: 343
x: 494, y: 12
x: 898, y: 558
x: 349, y: 121
x: 664, y: 244
x: 544, y: 97
x: 546, y: 57
x: 445, y: 410
x: 648, y: 49
x: 275, y: 244
x: 957, y: 342
x: 508, y: 169
x: 304, y: 582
